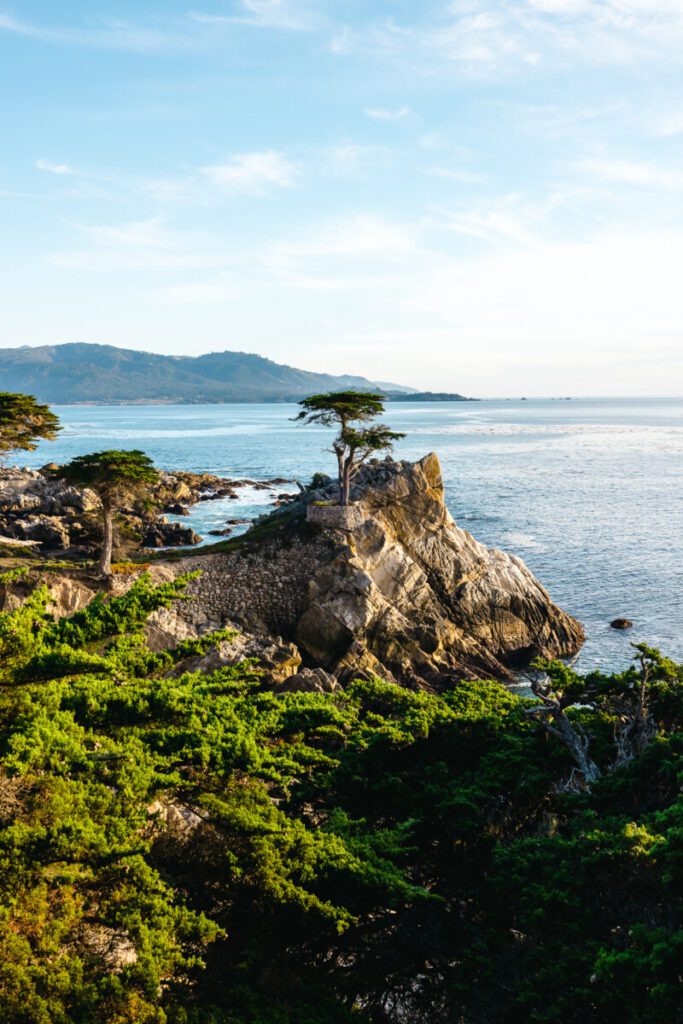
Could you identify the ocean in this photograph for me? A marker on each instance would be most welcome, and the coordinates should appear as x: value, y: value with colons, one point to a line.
x: 588, y: 492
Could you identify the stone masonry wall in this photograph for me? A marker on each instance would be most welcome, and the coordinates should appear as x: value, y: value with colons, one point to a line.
x: 259, y: 590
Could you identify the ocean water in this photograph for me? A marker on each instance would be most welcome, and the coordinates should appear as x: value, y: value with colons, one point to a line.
x: 589, y: 493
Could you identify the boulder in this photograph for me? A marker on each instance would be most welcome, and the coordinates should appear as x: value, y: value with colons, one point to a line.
x: 51, y: 532
x: 274, y: 658
x: 310, y: 680
x: 167, y: 535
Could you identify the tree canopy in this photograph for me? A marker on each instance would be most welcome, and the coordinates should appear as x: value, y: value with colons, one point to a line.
x: 110, y: 473
x: 353, y: 444
x: 188, y: 847
x: 117, y: 477
x: 24, y: 422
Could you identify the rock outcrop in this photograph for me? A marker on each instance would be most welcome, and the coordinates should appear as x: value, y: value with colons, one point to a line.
x: 404, y: 593
x: 411, y: 595
x: 397, y: 589
x: 37, y: 507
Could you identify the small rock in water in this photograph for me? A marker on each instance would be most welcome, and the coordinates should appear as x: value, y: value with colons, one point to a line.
x: 621, y: 623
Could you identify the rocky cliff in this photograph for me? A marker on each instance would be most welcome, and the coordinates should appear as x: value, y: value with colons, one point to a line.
x: 411, y: 594
x: 405, y: 594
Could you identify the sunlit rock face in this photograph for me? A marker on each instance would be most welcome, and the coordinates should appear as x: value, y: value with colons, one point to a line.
x: 409, y: 595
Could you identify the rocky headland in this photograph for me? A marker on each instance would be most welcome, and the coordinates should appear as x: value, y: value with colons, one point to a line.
x: 404, y: 593
x: 393, y: 588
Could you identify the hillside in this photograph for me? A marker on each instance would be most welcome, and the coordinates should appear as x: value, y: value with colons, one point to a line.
x: 103, y: 374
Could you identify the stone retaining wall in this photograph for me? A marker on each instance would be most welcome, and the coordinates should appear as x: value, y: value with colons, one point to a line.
x: 263, y: 589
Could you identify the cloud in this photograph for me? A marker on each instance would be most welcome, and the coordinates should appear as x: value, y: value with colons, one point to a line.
x: 488, y: 38
x: 196, y: 293
x: 327, y: 256
x: 252, y: 174
x: 137, y: 233
x: 379, y: 114
x: 267, y: 14
x: 111, y: 35
x: 53, y: 168
x: 352, y: 159
x: 669, y: 125
x: 632, y: 172
x: 129, y: 246
x: 457, y: 174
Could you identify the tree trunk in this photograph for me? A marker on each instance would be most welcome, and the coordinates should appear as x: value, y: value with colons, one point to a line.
x: 339, y: 452
x: 346, y: 481
x: 104, y: 565
x: 577, y: 743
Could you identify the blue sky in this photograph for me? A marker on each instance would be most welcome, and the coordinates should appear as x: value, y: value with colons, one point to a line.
x: 480, y: 195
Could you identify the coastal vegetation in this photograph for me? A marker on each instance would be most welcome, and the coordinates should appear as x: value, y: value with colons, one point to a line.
x: 23, y: 423
x: 118, y: 478
x: 192, y: 838
x: 190, y: 847
x: 353, y: 444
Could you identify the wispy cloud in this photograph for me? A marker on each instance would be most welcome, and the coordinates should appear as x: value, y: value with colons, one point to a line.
x: 129, y: 246
x: 463, y: 177
x: 252, y: 174
x: 273, y: 14
x: 54, y: 168
x: 633, y: 172
x: 381, y: 114
x: 669, y: 124
x: 326, y: 257
x: 196, y: 293
x: 169, y: 37
x: 491, y: 37
x: 352, y: 159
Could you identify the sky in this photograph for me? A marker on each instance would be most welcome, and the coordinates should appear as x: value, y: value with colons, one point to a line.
x: 482, y: 196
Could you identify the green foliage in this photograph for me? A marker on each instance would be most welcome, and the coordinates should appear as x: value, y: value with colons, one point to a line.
x: 111, y: 474
x: 183, y: 847
x: 118, y: 478
x: 353, y: 444
x: 24, y: 422
x: 340, y: 408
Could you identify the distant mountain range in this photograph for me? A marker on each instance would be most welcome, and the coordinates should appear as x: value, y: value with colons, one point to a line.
x: 105, y: 375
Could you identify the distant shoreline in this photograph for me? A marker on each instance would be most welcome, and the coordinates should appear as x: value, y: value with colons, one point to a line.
x: 417, y: 397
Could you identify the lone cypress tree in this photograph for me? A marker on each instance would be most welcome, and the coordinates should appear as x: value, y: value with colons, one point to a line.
x: 353, y: 444
x: 24, y: 422
x: 116, y: 477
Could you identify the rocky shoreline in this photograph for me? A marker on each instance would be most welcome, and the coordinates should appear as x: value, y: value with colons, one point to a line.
x: 39, y: 511
x: 404, y: 594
